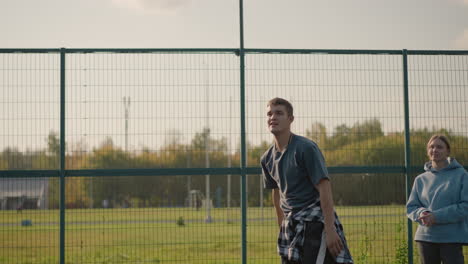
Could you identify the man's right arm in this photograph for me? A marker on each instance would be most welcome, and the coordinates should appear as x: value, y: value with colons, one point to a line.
x: 270, y: 183
x: 276, y: 202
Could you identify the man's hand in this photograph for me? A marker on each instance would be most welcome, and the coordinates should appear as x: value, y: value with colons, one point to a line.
x: 427, y: 218
x: 279, y: 219
x: 334, y: 243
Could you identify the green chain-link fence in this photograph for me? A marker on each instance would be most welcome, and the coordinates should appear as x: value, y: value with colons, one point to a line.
x: 135, y: 156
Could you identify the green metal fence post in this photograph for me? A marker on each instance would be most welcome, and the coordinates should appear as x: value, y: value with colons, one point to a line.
x: 243, y: 139
x: 62, y: 156
x: 407, y: 151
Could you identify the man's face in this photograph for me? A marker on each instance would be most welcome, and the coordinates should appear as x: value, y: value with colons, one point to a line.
x: 278, y: 119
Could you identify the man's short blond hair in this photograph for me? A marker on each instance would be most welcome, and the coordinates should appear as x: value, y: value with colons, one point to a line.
x: 281, y: 101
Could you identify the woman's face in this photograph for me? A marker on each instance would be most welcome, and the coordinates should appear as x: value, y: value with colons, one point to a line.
x: 437, y: 150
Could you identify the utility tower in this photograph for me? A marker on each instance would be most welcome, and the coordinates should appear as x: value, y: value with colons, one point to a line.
x: 126, y: 102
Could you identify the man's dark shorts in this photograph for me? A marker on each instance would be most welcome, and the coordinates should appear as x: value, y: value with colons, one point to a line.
x: 312, y: 240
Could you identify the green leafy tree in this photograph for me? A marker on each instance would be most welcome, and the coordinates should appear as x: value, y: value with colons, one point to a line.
x: 108, y: 156
x: 318, y: 134
x: 341, y: 136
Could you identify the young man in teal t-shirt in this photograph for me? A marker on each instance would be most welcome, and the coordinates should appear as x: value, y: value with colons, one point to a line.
x: 294, y: 168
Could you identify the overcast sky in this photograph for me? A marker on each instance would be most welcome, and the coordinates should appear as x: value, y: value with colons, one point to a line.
x: 311, y: 24
x: 306, y: 24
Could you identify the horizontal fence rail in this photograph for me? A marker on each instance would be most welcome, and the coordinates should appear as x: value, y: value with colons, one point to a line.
x: 135, y: 156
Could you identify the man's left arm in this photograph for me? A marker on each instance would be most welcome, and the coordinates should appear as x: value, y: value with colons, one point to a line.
x: 334, y: 243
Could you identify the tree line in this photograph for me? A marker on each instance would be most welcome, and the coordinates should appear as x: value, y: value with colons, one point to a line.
x: 362, y: 144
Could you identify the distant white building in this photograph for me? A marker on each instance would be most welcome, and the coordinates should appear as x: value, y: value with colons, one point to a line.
x: 25, y: 193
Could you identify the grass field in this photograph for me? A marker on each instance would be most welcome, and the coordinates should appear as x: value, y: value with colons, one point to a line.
x: 376, y: 234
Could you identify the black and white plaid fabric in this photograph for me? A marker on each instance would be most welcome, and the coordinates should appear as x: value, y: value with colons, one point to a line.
x: 291, y: 236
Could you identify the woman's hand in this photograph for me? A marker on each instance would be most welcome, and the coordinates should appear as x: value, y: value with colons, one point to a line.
x: 427, y: 218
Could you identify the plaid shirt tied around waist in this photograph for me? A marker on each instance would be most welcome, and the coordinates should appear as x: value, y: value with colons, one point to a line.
x: 292, y: 231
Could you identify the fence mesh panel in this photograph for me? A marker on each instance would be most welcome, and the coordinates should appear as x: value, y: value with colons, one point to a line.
x: 438, y: 91
x: 29, y: 225
x: 30, y: 109
x: 155, y: 110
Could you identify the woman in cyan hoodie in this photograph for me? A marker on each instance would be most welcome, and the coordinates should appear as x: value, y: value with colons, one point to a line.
x: 439, y: 203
